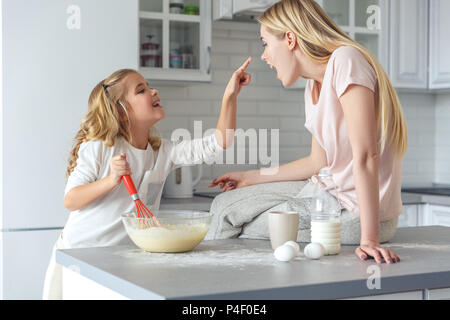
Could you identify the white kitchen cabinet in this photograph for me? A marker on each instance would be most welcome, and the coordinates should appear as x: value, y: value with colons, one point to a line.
x: 409, y: 216
x: 175, y: 46
x: 417, y: 215
x: 419, y: 44
x: 437, y: 294
x: 435, y: 215
x: 439, y: 44
x: 433, y: 294
x: 410, y: 295
x: 409, y: 44
x: 365, y: 21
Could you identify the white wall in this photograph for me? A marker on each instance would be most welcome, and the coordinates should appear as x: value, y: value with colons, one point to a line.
x: 443, y: 138
x: 419, y: 162
x: 265, y: 104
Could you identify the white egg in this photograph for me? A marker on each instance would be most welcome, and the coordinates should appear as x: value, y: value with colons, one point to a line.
x: 314, y: 250
x: 284, y: 253
x: 294, y: 245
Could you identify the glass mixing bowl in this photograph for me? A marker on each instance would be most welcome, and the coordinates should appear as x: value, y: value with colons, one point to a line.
x: 180, y: 230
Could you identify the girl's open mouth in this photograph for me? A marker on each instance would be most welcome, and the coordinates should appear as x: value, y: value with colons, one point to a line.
x: 156, y: 104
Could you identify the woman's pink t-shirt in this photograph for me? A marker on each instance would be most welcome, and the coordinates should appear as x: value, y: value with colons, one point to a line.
x: 325, y: 120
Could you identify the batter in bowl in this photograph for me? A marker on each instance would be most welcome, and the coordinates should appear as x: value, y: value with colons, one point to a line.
x: 169, y: 238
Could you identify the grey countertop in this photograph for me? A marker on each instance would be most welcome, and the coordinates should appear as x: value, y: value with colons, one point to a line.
x: 246, y: 269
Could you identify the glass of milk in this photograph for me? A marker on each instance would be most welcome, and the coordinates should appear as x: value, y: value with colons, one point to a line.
x: 325, y: 215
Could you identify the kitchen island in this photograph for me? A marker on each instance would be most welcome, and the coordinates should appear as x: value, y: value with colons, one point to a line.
x: 246, y: 269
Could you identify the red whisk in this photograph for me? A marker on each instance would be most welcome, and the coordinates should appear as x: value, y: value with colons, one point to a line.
x: 142, y: 210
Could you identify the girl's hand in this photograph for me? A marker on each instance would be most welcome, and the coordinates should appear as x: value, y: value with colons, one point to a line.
x: 373, y: 249
x: 231, y: 180
x: 119, y: 167
x: 239, y: 79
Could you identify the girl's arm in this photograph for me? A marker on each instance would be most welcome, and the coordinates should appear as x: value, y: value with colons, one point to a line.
x: 196, y: 151
x: 227, y: 119
x: 358, y: 104
x: 81, y: 196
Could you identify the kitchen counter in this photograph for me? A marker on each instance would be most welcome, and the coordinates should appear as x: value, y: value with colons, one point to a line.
x: 246, y: 269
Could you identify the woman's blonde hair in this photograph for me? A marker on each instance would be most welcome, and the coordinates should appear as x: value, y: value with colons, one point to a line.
x: 318, y: 36
x: 107, y: 116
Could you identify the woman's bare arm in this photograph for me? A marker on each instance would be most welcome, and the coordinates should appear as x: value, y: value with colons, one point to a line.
x: 300, y: 169
x: 358, y: 104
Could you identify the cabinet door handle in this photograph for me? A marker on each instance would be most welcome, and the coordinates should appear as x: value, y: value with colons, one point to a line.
x: 208, y: 49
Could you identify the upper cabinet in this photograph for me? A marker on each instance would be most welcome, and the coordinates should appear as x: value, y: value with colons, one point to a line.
x: 419, y: 44
x: 439, y: 44
x: 409, y: 44
x: 175, y: 40
x: 365, y: 21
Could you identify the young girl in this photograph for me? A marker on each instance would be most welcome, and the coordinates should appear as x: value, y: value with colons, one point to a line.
x: 355, y: 118
x: 115, y: 140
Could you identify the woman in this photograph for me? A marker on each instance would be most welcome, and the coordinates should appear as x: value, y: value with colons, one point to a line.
x: 352, y: 111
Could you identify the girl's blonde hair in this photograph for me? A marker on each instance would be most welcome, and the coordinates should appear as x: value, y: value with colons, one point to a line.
x: 318, y: 36
x: 107, y: 117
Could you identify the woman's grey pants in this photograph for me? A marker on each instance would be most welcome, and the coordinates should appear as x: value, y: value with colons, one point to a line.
x: 243, y: 213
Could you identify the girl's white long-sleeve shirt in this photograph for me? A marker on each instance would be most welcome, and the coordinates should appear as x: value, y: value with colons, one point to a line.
x: 100, y: 224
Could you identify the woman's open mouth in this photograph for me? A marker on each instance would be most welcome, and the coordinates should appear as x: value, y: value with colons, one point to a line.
x: 272, y: 67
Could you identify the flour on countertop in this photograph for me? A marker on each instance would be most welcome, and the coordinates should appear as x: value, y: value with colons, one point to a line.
x: 230, y: 256
x: 237, y: 256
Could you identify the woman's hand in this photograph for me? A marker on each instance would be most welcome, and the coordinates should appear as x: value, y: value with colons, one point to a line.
x: 373, y: 249
x: 232, y: 180
x: 239, y: 79
x: 119, y: 167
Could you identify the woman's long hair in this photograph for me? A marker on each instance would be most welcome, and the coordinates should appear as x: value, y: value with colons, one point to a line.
x: 107, y: 117
x: 318, y: 36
